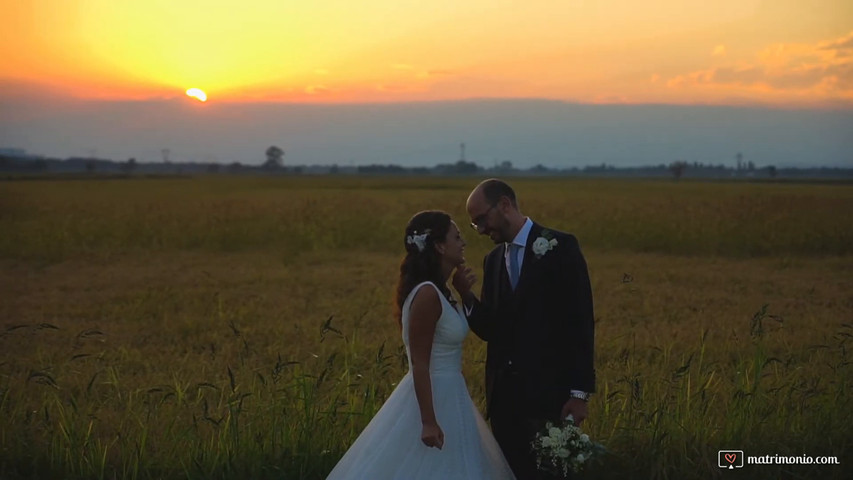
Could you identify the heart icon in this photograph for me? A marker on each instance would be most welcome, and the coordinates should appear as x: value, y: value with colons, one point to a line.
x: 731, y: 457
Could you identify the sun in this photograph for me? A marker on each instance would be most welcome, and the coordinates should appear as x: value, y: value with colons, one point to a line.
x: 197, y: 93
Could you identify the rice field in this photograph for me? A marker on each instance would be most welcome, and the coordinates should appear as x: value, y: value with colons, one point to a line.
x: 241, y: 327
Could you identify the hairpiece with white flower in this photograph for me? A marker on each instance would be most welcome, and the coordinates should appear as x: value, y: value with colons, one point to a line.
x: 419, y: 240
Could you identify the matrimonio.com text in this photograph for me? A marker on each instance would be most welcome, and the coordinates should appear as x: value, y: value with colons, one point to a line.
x: 732, y: 459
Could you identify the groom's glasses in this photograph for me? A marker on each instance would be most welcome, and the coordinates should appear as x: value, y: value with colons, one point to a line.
x: 480, y: 221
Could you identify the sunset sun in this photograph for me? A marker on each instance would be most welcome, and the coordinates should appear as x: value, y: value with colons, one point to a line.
x: 197, y: 93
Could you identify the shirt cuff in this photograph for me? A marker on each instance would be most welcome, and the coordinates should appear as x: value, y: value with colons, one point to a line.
x: 579, y: 394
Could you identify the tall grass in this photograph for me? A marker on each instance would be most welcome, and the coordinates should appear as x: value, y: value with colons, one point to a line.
x: 247, y: 416
x: 53, y: 220
x: 241, y: 328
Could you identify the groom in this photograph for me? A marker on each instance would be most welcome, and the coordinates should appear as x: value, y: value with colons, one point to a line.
x: 535, y: 312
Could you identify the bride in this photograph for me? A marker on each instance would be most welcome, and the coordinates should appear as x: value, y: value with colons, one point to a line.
x: 429, y: 428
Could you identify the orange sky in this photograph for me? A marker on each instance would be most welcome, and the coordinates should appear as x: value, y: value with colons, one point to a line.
x: 781, y: 53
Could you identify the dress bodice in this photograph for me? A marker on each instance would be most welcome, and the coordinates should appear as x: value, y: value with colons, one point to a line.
x: 450, y: 332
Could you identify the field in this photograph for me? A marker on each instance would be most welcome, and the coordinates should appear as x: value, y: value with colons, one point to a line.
x: 242, y: 327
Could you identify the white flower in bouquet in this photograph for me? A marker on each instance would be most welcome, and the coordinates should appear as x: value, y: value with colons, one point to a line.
x: 565, y: 449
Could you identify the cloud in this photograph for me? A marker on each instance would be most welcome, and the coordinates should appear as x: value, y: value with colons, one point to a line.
x: 435, y: 73
x: 392, y: 88
x: 610, y: 98
x: 317, y: 89
x: 824, y: 68
x: 844, y: 44
x: 419, y: 72
x: 693, y: 78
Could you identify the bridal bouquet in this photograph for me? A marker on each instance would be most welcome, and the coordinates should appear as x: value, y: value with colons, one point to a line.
x: 560, y: 450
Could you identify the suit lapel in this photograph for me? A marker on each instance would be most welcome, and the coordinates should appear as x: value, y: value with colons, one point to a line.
x: 501, y: 279
x: 530, y: 259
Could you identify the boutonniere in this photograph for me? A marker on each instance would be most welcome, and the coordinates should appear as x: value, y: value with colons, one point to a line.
x: 544, y: 244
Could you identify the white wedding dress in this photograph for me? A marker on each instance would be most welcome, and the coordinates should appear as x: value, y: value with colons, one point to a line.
x: 390, y: 447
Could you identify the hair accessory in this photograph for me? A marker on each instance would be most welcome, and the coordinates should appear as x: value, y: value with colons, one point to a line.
x: 418, y: 240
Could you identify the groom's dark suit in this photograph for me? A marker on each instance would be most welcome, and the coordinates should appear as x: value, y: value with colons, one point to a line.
x: 540, y: 340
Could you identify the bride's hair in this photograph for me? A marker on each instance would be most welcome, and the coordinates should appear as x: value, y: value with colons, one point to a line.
x: 422, y: 262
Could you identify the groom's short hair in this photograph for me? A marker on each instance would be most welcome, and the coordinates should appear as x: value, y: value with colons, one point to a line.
x: 493, y: 189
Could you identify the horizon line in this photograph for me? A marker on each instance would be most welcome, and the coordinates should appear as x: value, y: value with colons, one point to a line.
x: 42, y: 95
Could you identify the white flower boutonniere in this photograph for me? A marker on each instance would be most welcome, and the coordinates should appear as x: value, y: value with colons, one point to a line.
x: 544, y: 244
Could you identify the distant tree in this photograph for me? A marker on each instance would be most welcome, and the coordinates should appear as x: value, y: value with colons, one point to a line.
x: 212, y: 168
x: 40, y: 165
x: 275, y: 158
x: 90, y: 166
x: 771, y: 171
x: 463, y: 167
x: 334, y: 169
x: 677, y: 168
x: 380, y: 169
x: 129, y: 166
x: 235, y: 167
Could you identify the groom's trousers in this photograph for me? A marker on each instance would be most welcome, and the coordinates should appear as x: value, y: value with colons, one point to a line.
x: 515, y: 426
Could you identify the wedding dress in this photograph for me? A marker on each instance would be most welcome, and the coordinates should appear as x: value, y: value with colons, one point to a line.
x: 390, y: 447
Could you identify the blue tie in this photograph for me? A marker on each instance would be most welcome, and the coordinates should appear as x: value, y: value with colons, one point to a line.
x: 513, y: 264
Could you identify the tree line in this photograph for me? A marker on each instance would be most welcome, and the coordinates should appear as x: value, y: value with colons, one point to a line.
x: 273, y: 164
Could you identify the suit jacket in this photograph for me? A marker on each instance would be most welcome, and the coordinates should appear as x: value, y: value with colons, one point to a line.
x: 541, y: 334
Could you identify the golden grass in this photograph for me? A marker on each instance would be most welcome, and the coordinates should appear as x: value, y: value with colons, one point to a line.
x: 175, y: 328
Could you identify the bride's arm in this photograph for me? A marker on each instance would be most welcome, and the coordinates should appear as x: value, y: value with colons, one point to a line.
x: 475, y: 312
x: 423, y: 316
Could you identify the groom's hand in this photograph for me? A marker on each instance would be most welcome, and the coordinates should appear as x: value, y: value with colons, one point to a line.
x: 463, y: 280
x: 577, y: 408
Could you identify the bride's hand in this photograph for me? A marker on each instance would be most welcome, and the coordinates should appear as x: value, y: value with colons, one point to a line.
x: 463, y: 280
x: 432, y: 436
